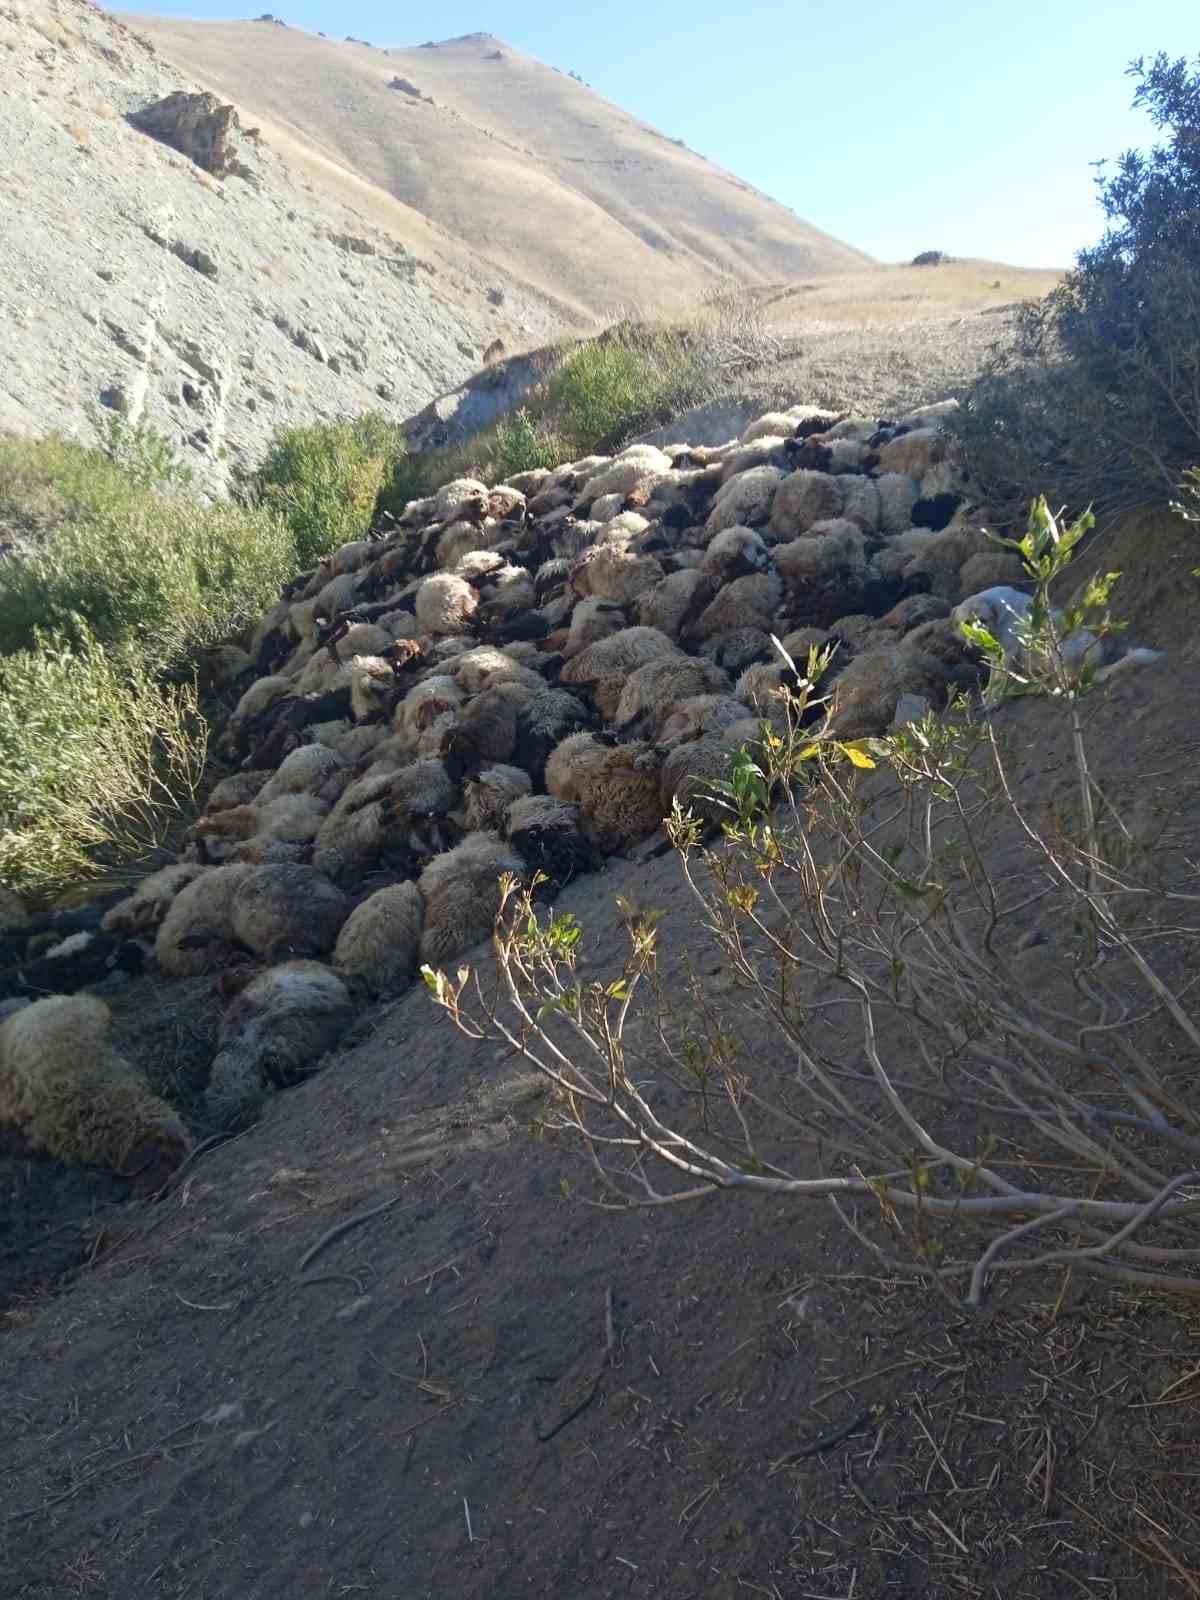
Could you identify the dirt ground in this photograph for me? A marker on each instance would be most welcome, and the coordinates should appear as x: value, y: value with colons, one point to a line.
x: 488, y: 1388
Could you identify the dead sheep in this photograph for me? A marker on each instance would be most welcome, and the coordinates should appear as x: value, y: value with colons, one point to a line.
x: 272, y: 1035
x: 146, y: 907
x: 1006, y: 613
x: 804, y: 498
x: 487, y: 797
x: 596, y: 619
x: 446, y: 605
x: 281, y: 829
x: 747, y: 500
x: 691, y: 769
x: 897, y: 496
x: 338, y: 595
x: 824, y: 574
x: 380, y: 941
x: 666, y: 607
x: 697, y: 716
x: 460, y: 891
x: 238, y: 789
x: 931, y: 662
x: 546, y: 832
x: 631, y: 468
x: 778, y: 424
x: 459, y: 496
x: 353, y: 837
x: 350, y: 557
x: 262, y: 693
x: 458, y: 540
x: 516, y: 722
x: 303, y: 771
x: 912, y: 454
x: 66, y: 1090
x: 614, y: 786
x: 735, y: 649
x: 355, y: 745
x: 749, y: 602
x: 196, y: 935
x: 652, y: 692
x: 618, y: 654
x: 425, y: 704
x: 287, y: 910
x: 612, y: 573
x: 473, y: 670
x: 372, y: 682
x: 507, y: 590
x: 991, y: 569
x: 768, y: 450
x: 735, y: 552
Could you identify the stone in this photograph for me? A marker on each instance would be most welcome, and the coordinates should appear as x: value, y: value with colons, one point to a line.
x: 197, y: 125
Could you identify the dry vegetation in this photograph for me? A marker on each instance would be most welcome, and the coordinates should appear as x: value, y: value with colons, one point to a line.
x: 560, y: 188
x: 899, y: 294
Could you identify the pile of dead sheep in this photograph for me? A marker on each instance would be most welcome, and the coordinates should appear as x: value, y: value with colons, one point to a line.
x: 512, y: 679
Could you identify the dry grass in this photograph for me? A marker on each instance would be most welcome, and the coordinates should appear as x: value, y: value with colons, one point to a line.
x: 907, y: 294
x: 508, y: 143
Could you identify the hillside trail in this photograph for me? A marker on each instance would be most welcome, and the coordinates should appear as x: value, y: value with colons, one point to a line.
x: 483, y: 1386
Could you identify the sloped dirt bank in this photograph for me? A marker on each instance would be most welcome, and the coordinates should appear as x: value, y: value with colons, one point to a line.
x: 437, y: 1409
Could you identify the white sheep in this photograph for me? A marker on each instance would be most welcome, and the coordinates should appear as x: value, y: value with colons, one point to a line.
x: 381, y: 939
x: 746, y: 500
x: 66, y: 1090
x: 273, y: 1033
x: 614, y: 786
x: 805, y: 497
x: 665, y: 608
x: 488, y: 797
x: 287, y: 909
x: 652, y: 692
x: 149, y: 903
x: 196, y: 935
x: 461, y: 894
x: 749, y: 602
x: 446, y: 604
x: 1006, y: 614
x: 304, y: 770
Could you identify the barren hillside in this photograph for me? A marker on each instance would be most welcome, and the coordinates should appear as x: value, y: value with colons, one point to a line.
x: 218, y: 306
x: 568, y: 191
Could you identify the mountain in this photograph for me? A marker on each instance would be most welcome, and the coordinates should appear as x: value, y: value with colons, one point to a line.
x: 564, y: 190
x: 215, y: 305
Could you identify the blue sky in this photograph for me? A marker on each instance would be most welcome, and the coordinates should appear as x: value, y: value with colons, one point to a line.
x: 958, y: 125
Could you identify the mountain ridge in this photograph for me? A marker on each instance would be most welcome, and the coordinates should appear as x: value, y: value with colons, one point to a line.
x: 574, y: 195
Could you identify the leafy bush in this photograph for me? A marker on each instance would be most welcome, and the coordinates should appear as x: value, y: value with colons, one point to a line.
x: 873, y: 1042
x: 95, y: 756
x: 522, y: 445
x: 627, y: 380
x: 325, y: 480
x: 143, y: 454
x: 1099, y: 392
x: 108, y: 557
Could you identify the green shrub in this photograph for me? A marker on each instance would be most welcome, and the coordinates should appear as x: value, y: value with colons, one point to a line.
x: 1099, y: 392
x: 522, y: 445
x: 145, y: 456
x: 614, y: 386
x: 325, y: 480
x: 96, y: 756
x: 107, y: 557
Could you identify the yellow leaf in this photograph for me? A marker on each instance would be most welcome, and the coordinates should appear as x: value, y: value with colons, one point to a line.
x: 858, y: 756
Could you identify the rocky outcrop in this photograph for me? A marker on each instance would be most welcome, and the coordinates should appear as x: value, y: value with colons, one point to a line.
x: 197, y: 125
x: 216, y: 309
